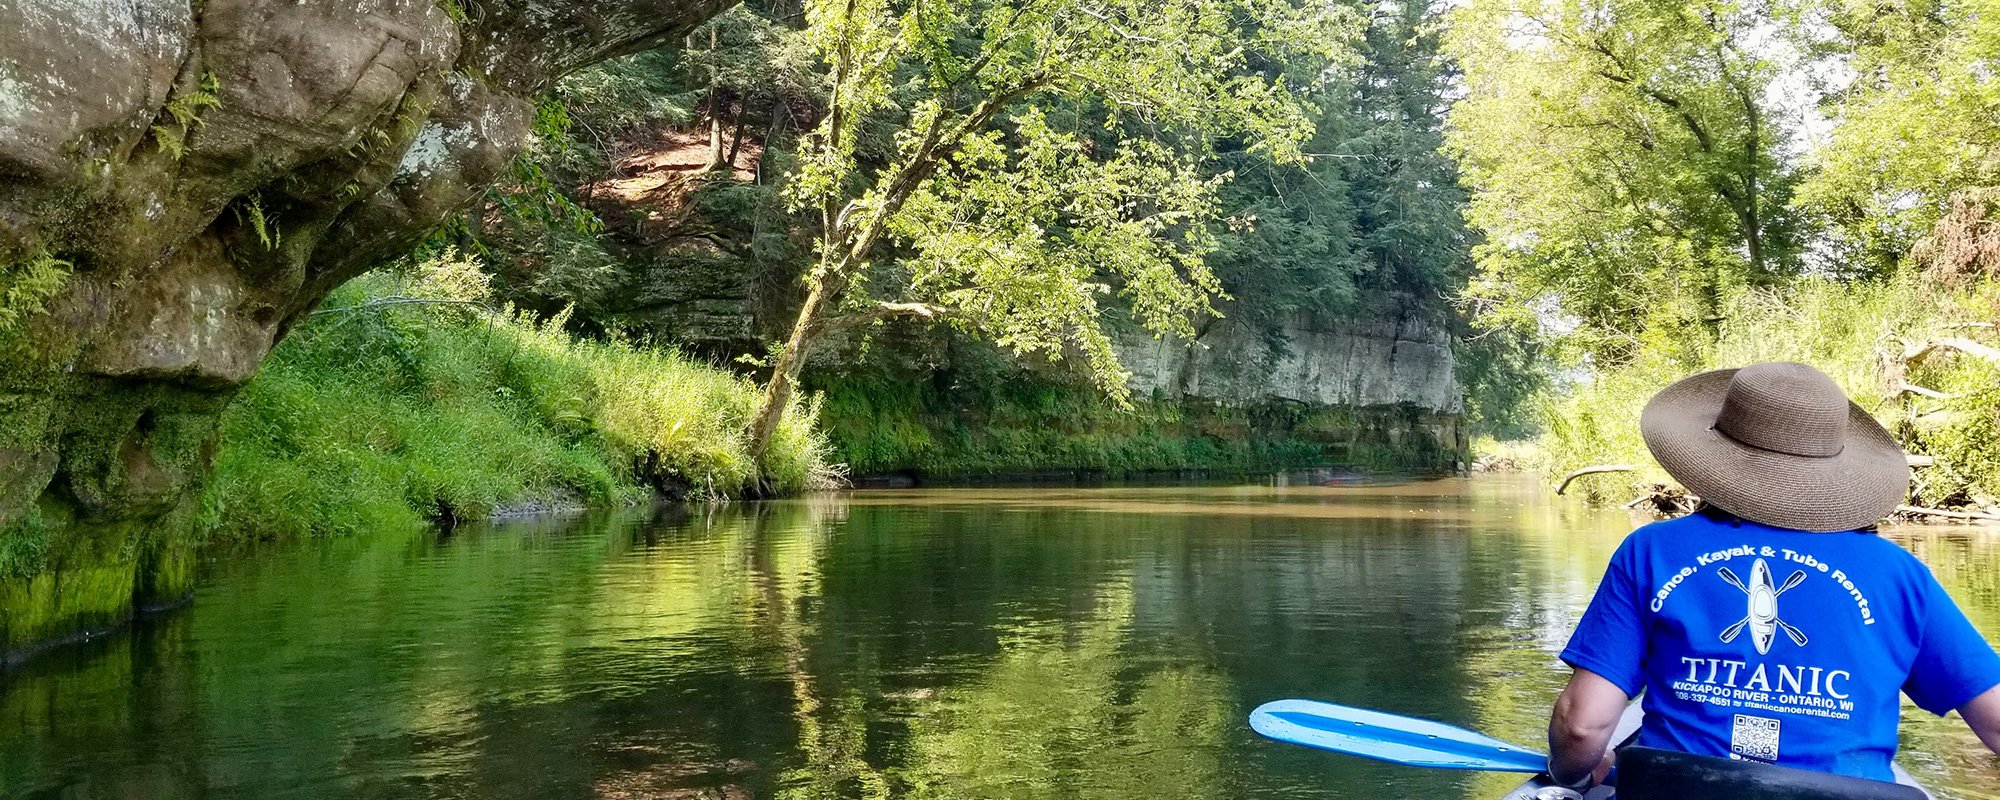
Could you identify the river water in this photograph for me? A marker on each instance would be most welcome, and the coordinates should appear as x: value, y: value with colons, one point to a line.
x: 972, y: 643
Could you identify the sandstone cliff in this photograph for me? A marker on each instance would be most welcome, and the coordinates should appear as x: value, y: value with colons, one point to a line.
x: 1388, y: 368
x: 179, y: 183
x: 1389, y: 355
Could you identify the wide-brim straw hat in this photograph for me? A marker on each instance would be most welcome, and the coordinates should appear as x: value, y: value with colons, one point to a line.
x: 1777, y: 443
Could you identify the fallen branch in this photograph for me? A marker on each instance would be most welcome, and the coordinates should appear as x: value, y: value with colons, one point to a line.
x: 1564, y: 486
x: 1923, y: 392
x: 1918, y: 511
x: 1917, y: 352
x: 1664, y: 502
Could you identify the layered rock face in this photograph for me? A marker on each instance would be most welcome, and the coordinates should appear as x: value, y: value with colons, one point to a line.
x: 1389, y: 369
x: 199, y: 174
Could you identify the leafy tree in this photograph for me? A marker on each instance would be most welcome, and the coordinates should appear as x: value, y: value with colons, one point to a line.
x: 745, y: 77
x: 1918, y: 129
x: 1624, y: 159
x: 1374, y: 210
x: 1411, y: 227
x: 1045, y: 153
x: 746, y: 65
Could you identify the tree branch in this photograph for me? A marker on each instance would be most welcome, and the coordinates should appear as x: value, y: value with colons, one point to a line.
x: 1102, y: 17
x: 1918, y: 352
x: 1916, y: 511
x: 923, y: 161
x: 1564, y: 486
x: 883, y: 311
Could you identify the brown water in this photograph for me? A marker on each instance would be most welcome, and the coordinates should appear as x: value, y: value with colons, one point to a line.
x: 988, y: 643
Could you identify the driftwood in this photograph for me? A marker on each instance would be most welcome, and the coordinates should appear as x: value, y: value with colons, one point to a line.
x: 1664, y: 502
x: 1564, y: 486
x: 1923, y: 392
x: 1918, y: 511
x: 1918, y: 351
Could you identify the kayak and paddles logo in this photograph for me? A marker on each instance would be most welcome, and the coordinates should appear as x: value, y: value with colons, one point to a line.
x: 1762, y: 617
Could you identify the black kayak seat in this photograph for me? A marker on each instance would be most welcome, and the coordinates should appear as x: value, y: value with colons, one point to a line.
x: 1645, y: 773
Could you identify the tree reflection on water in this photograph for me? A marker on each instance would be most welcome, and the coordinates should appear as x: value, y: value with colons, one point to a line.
x: 948, y: 644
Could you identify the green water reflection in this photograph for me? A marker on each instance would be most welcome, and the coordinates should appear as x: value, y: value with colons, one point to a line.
x: 1018, y: 643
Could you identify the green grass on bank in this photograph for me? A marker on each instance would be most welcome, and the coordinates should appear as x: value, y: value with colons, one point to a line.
x: 1860, y: 334
x: 373, y: 414
x: 1019, y: 424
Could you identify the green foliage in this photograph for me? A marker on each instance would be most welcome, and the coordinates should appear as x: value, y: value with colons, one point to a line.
x: 1047, y: 155
x: 1645, y: 190
x: 27, y: 285
x: 372, y: 416
x: 250, y: 213
x: 1504, y: 373
x: 1916, y: 127
x: 25, y: 545
x: 534, y: 196
x: 1374, y: 209
x: 182, y: 114
x: 639, y: 93
x: 985, y: 415
x: 454, y: 11
x: 1858, y: 333
x: 877, y: 426
x: 1626, y: 162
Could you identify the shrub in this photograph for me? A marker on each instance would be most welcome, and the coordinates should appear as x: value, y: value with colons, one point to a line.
x: 1857, y: 333
x: 379, y: 411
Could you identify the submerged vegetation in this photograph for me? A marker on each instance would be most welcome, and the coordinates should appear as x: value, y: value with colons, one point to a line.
x: 406, y: 398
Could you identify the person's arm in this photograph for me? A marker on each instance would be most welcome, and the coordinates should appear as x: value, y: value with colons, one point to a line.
x: 1607, y: 651
x: 1955, y: 669
x: 1982, y: 715
x: 1580, y: 729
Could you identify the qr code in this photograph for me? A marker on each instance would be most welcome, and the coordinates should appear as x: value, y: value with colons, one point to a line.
x: 1754, y: 737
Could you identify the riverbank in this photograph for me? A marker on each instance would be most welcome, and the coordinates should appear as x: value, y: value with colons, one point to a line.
x: 406, y: 401
x: 1919, y: 356
x: 379, y: 412
x: 1028, y: 428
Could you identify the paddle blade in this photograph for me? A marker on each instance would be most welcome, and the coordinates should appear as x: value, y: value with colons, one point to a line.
x: 1798, y: 636
x: 1387, y: 737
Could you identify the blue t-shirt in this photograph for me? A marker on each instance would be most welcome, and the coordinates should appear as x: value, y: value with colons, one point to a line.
x: 1777, y: 645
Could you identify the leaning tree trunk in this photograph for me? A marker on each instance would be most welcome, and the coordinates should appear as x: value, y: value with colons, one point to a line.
x: 791, y: 362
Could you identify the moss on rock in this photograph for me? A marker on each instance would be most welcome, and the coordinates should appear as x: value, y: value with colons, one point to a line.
x: 142, y: 279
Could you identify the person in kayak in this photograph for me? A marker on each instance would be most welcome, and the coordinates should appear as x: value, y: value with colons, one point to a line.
x: 1773, y: 625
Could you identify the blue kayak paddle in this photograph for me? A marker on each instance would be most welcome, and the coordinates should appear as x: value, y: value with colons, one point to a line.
x: 1387, y: 737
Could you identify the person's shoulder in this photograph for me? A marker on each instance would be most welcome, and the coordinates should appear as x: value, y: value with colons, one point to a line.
x: 1678, y: 527
x: 1880, y: 549
x: 1650, y: 538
